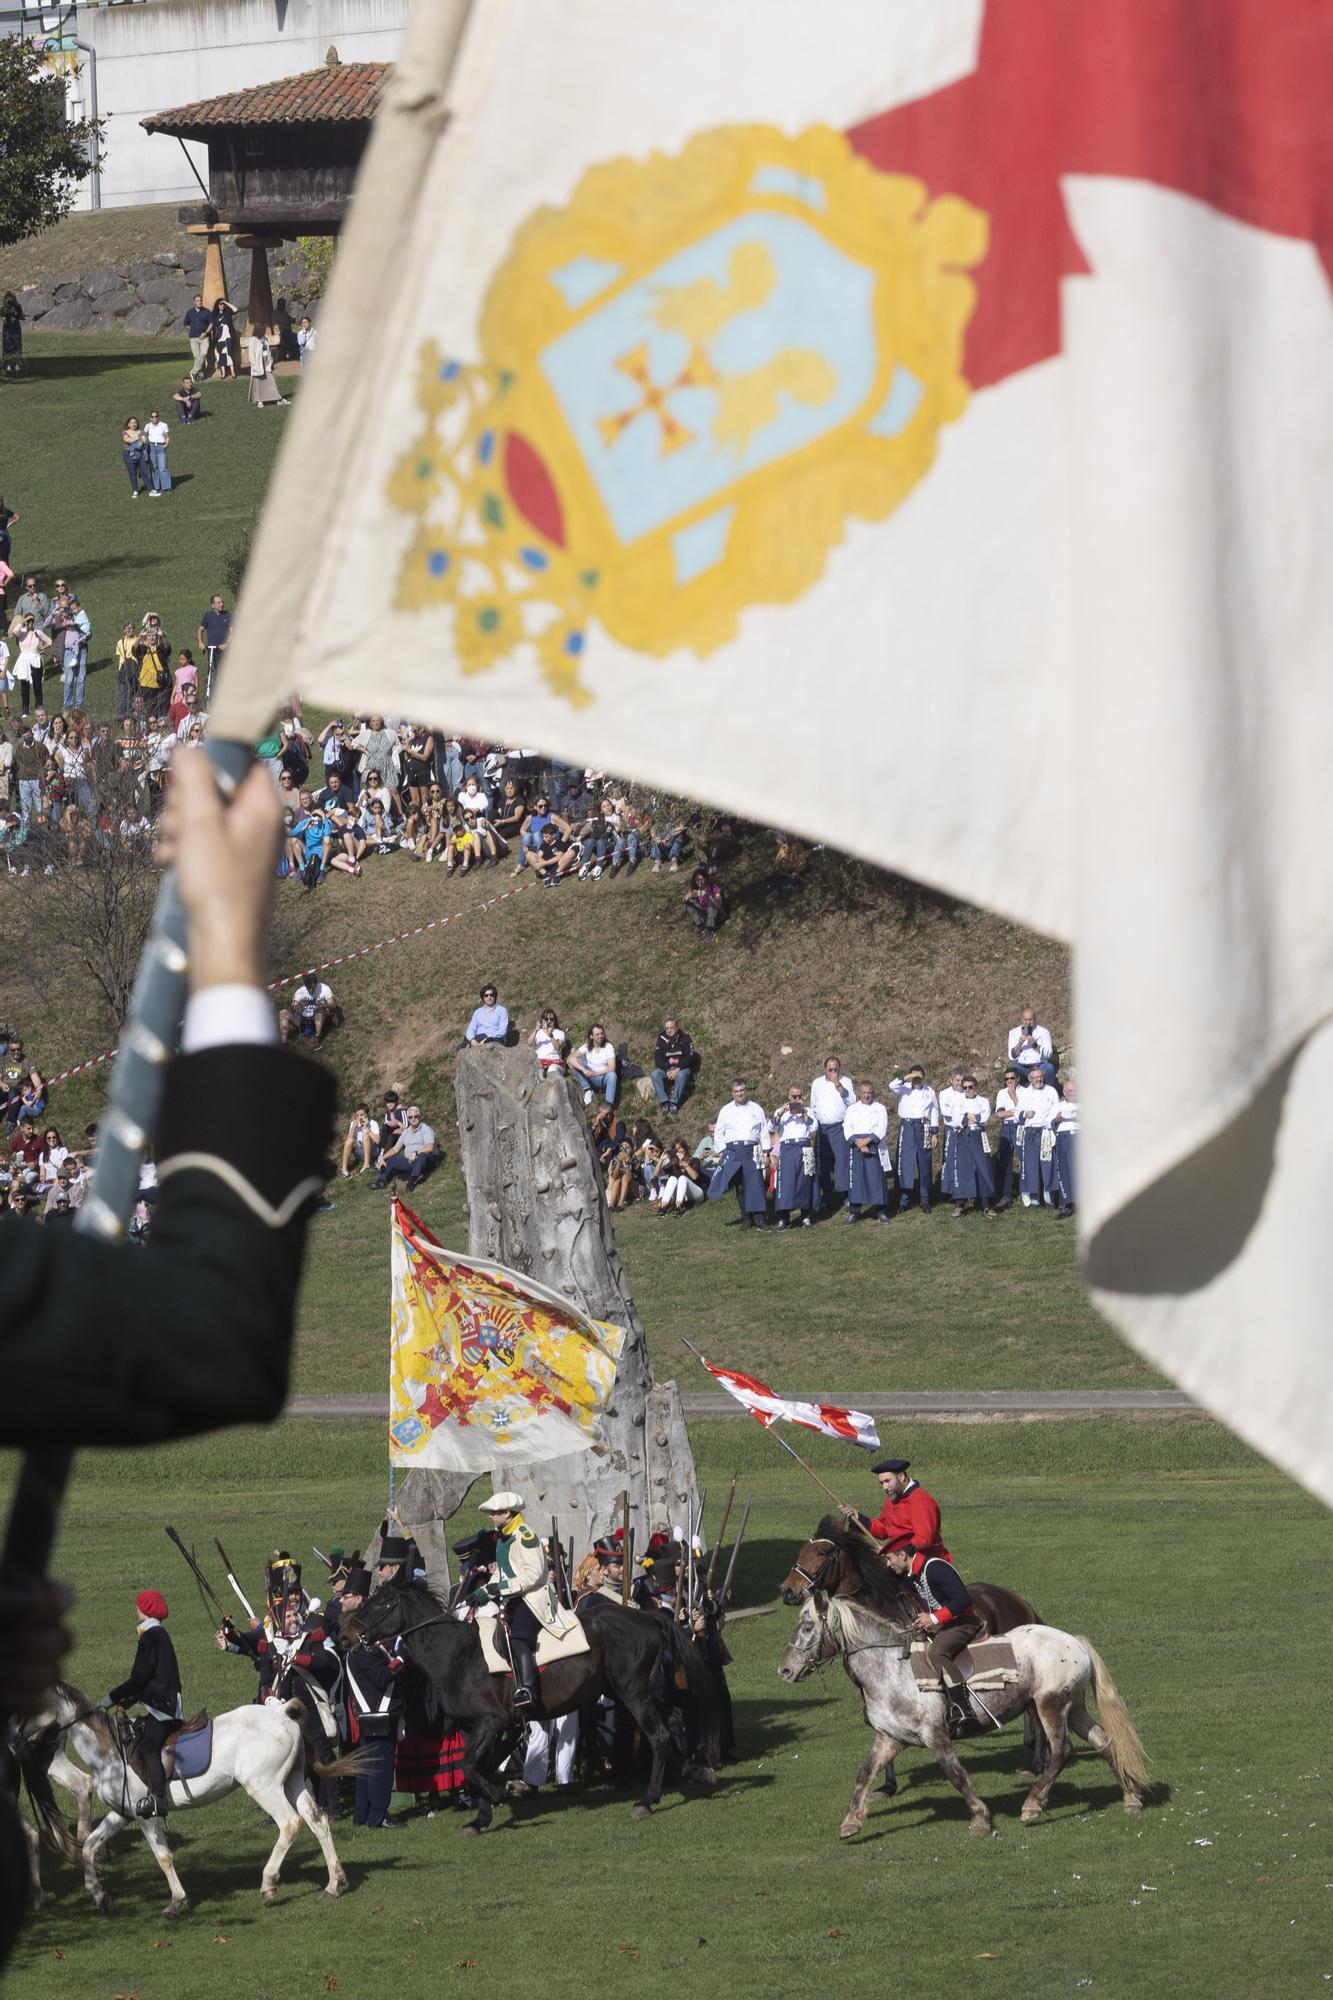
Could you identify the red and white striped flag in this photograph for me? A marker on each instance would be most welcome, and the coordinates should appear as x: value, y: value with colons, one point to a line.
x: 764, y: 1404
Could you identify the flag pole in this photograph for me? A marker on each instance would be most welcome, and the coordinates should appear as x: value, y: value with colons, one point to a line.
x: 769, y: 1431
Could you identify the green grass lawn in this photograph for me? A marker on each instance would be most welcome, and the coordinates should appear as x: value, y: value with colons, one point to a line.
x: 61, y: 468
x: 1144, y: 1536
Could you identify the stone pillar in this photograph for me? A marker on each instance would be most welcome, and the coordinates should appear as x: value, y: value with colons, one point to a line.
x: 536, y: 1204
x: 214, y: 286
x: 259, y: 312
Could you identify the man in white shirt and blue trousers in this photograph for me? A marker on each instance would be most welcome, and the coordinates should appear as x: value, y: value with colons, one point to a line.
x: 794, y: 1130
x: 832, y: 1096
x: 1038, y: 1109
x: 741, y: 1137
x: 918, y: 1126
x: 867, y: 1126
x: 951, y: 1118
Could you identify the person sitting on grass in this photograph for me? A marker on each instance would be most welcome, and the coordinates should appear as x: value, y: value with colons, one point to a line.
x: 680, y: 1181
x: 594, y: 1063
x: 362, y: 1142
x: 311, y: 1012
x: 594, y: 837
x: 413, y: 1154
x: 668, y: 842
x: 554, y: 855
x: 704, y: 903
x: 187, y: 399
x: 510, y: 813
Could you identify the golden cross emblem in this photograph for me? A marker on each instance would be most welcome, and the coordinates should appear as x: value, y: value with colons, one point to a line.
x: 698, y: 373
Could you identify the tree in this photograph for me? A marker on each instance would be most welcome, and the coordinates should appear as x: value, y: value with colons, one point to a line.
x: 43, y: 155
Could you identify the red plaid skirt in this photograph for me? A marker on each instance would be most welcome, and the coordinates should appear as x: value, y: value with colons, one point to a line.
x: 429, y: 1763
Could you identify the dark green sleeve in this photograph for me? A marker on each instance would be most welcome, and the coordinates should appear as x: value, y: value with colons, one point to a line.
x: 107, y: 1343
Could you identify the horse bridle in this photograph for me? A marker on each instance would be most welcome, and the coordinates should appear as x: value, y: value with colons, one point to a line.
x: 833, y: 1637
x: 815, y: 1582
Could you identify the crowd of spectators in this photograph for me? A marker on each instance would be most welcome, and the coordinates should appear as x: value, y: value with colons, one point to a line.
x: 368, y: 787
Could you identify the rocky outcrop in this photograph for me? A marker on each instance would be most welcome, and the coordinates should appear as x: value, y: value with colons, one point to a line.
x: 151, y: 295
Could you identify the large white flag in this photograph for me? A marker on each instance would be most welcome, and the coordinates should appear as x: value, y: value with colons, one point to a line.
x: 935, y: 401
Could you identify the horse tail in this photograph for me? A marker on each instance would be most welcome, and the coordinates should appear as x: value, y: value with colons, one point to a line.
x: 348, y: 1766
x: 1127, y: 1753
x: 52, y: 1825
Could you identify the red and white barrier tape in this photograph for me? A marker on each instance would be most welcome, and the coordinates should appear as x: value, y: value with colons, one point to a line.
x: 346, y: 958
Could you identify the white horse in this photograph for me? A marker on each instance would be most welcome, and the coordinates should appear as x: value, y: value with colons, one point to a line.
x: 1055, y: 1671
x: 260, y: 1747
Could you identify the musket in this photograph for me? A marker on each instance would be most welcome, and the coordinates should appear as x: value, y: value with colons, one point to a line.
x: 627, y: 1545
x: 326, y: 1560
x: 558, y: 1576
x: 721, y: 1536
x: 248, y: 1608
x: 735, y: 1551
x: 200, y: 1578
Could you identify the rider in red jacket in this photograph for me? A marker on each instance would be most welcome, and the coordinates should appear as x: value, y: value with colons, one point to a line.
x: 909, y: 1516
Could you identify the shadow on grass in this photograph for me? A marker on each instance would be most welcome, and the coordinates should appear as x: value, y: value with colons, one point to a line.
x: 98, y: 361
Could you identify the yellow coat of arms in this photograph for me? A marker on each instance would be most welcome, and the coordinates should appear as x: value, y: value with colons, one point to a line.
x: 691, y: 378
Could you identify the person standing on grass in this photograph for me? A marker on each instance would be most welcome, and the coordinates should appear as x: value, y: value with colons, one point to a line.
x: 1006, y: 1110
x: 866, y: 1129
x: 1038, y: 1109
x: 1066, y: 1149
x: 263, y: 385
x: 794, y: 1129
x: 213, y: 636
x: 11, y: 334
x: 973, y: 1169
x: 158, y: 434
x: 134, y: 451
x: 918, y: 1135
x: 832, y: 1096
x: 30, y: 661
x: 198, y: 325
x: 223, y: 338
x: 741, y: 1134
x: 307, y: 339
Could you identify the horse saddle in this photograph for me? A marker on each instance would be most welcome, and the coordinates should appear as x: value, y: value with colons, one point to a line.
x: 549, y: 1648
x: 987, y: 1663
x: 186, y: 1753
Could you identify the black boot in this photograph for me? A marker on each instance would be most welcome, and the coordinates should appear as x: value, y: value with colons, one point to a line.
x: 960, y: 1712
x: 526, y: 1684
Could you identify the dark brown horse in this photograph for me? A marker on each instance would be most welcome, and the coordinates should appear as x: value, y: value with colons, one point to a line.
x: 628, y: 1654
x: 832, y: 1561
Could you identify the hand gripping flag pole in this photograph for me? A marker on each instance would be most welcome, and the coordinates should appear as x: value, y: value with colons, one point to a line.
x: 147, y: 1043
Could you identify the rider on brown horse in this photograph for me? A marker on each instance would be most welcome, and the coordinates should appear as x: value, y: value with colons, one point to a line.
x: 909, y: 1516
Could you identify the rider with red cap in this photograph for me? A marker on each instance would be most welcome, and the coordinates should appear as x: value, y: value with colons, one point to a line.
x: 909, y: 1518
x: 155, y: 1681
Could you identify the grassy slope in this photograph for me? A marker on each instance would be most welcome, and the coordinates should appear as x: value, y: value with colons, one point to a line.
x: 86, y: 242
x: 60, y: 466
x: 1135, y: 1533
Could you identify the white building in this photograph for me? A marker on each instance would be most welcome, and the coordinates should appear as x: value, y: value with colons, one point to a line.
x: 129, y: 58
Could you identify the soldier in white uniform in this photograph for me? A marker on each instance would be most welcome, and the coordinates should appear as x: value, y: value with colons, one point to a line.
x: 794, y: 1133
x: 918, y: 1132
x: 1066, y: 1149
x: 741, y: 1135
x: 867, y: 1130
x: 521, y: 1584
x: 1038, y: 1105
x: 832, y: 1096
x: 974, y: 1178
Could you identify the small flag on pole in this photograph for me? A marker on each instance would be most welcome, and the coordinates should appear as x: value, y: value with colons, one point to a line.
x: 487, y: 1367
x: 764, y: 1404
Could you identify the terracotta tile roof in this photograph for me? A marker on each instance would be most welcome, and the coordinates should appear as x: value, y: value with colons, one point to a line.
x: 340, y: 93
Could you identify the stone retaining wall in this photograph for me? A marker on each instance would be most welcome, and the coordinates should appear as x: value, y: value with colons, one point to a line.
x: 152, y: 297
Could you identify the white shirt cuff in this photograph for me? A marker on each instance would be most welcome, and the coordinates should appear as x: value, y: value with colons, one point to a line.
x: 222, y: 1016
